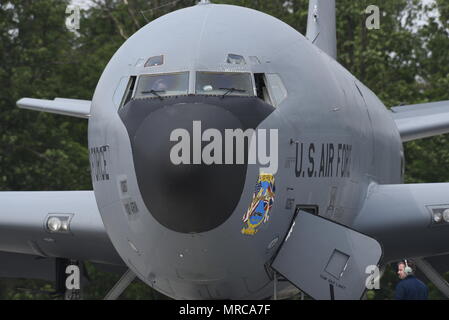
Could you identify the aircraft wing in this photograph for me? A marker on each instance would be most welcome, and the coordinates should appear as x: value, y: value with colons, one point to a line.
x: 396, y: 222
x: 24, y: 218
x: 69, y: 107
x: 421, y: 120
x: 407, y: 219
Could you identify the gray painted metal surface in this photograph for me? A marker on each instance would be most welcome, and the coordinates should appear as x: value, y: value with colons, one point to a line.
x: 421, y: 120
x: 322, y: 27
x: 69, y: 107
x: 121, y: 285
x: 400, y: 217
x: 22, y: 226
x: 16, y: 265
x: 326, y: 260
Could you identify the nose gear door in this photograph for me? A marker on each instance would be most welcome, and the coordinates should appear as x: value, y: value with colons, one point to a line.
x: 327, y: 260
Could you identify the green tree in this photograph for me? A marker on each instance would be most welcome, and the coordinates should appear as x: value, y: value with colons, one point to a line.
x: 38, y: 151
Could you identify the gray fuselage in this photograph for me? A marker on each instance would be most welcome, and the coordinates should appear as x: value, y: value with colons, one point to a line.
x: 335, y: 138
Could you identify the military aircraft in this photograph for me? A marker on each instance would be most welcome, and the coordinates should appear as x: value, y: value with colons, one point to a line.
x: 319, y: 206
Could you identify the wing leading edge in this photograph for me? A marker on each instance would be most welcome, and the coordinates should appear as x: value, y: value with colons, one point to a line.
x: 402, y: 218
x: 421, y: 120
x: 69, y: 107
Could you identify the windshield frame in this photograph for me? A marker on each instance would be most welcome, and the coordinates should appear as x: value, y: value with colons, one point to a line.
x: 251, y: 92
x: 141, y: 76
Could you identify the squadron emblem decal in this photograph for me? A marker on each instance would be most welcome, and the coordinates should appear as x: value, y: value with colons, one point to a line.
x: 263, y: 198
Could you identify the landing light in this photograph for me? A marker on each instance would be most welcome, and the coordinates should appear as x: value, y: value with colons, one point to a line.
x: 446, y: 215
x: 54, y: 224
x: 65, y: 226
x: 437, y: 217
x: 58, y: 223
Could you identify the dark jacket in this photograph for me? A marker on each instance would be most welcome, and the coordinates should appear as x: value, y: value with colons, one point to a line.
x: 411, y: 288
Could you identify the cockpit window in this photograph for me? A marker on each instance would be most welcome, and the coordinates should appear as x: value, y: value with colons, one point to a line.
x: 224, y: 83
x: 235, y: 59
x: 155, y: 61
x: 278, y: 91
x: 160, y: 85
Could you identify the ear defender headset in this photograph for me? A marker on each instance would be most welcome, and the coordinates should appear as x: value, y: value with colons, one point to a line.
x: 407, y: 270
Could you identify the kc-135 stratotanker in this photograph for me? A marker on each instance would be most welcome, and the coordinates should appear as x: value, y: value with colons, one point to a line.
x: 229, y: 152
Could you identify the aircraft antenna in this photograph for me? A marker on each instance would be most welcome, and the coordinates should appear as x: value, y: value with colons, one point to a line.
x: 321, y: 26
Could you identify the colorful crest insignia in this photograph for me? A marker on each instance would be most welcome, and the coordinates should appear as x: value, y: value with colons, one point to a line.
x: 263, y: 198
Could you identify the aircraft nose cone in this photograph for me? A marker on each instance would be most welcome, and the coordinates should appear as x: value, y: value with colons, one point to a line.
x: 187, y: 197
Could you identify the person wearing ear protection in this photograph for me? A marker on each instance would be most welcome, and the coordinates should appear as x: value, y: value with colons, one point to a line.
x: 410, y: 287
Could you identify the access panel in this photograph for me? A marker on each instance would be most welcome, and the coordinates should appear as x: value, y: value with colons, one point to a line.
x: 326, y: 260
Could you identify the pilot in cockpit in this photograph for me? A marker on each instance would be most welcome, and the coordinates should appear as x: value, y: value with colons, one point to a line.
x: 160, y: 85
